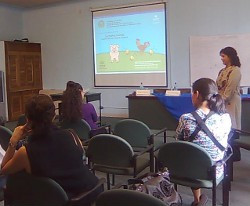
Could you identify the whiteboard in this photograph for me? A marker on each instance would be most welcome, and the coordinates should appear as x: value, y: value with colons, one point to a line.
x: 205, y: 60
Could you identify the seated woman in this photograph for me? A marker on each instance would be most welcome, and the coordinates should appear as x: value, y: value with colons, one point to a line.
x: 72, y: 102
x: 89, y: 115
x: 50, y: 151
x: 209, y: 105
x: 74, y: 107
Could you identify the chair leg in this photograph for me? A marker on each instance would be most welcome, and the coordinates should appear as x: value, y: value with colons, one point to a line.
x: 156, y: 165
x: 151, y: 154
x: 113, y: 179
x: 175, y: 187
x: 108, y: 181
x: 231, y: 169
x: 229, y: 172
x: 225, y: 191
x: 214, y: 194
x: 165, y: 137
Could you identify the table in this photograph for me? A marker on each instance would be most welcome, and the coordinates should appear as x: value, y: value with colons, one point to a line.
x: 152, y: 112
x: 90, y: 97
x: 149, y: 110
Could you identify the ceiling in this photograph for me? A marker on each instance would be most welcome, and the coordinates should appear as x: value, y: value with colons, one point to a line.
x: 31, y: 3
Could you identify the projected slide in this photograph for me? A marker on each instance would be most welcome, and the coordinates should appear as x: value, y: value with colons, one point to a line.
x: 130, y: 41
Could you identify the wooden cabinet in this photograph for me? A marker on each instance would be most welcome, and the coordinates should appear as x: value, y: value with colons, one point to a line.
x: 23, y: 75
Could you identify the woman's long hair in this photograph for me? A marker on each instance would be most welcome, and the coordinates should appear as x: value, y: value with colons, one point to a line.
x: 72, y: 103
x: 232, y: 54
x: 40, y: 111
x: 208, y: 91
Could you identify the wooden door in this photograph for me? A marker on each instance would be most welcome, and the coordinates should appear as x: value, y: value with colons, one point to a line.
x: 23, y: 75
x: 15, y: 105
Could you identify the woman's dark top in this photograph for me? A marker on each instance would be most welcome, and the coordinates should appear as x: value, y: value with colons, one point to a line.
x: 57, y: 156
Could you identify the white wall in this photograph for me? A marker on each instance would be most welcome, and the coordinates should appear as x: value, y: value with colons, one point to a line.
x: 201, y: 17
x: 10, y: 23
x: 65, y: 31
x: 10, y: 29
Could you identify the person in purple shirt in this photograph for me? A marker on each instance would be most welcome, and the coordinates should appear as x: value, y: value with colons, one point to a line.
x: 74, y: 107
x: 89, y: 115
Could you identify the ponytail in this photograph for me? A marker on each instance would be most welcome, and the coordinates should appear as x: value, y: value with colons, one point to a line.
x: 208, y: 91
x: 216, y: 103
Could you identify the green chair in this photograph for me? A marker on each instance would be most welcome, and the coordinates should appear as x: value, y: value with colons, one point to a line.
x: 190, y: 165
x: 126, y: 198
x: 23, y: 189
x: 81, y: 128
x: 137, y: 133
x: 5, y: 135
x: 139, y: 136
x: 244, y: 139
x: 113, y: 155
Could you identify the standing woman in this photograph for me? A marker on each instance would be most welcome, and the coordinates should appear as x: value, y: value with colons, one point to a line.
x: 228, y: 82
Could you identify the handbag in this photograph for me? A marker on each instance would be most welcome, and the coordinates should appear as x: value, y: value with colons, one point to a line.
x: 157, y: 185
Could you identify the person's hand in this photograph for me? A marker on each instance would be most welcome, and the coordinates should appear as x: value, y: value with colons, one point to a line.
x: 19, y: 133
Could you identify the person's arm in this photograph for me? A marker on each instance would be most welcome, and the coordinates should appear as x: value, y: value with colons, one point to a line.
x: 232, y: 83
x: 15, y: 161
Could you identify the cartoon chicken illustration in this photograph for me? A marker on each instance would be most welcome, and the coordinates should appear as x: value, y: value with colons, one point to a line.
x: 142, y: 47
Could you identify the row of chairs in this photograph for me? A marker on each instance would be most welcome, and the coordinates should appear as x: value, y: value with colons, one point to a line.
x: 23, y: 190
x: 188, y: 164
x: 137, y: 151
x: 136, y: 133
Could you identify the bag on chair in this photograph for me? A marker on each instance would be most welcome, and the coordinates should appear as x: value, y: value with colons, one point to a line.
x: 159, y: 186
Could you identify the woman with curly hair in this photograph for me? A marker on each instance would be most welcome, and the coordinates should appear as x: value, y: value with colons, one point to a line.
x: 74, y: 108
x: 72, y: 102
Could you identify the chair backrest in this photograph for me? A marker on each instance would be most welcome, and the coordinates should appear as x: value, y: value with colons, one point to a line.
x: 135, y: 132
x: 186, y: 159
x: 25, y: 189
x: 81, y: 128
x: 127, y: 197
x: 110, y: 150
x: 5, y: 135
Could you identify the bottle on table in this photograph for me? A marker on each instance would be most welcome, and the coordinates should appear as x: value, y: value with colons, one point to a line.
x: 175, y: 86
x: 141, y: 86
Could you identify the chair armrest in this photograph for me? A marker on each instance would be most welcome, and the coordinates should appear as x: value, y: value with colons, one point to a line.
x: 164, y: 130
x: 108, y: 126
x: 152, y: 136
x: 225, y: 159
x: 84, y: 194
x: 242, y: 132
x: 161, y: 131
x: 147, y: 149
